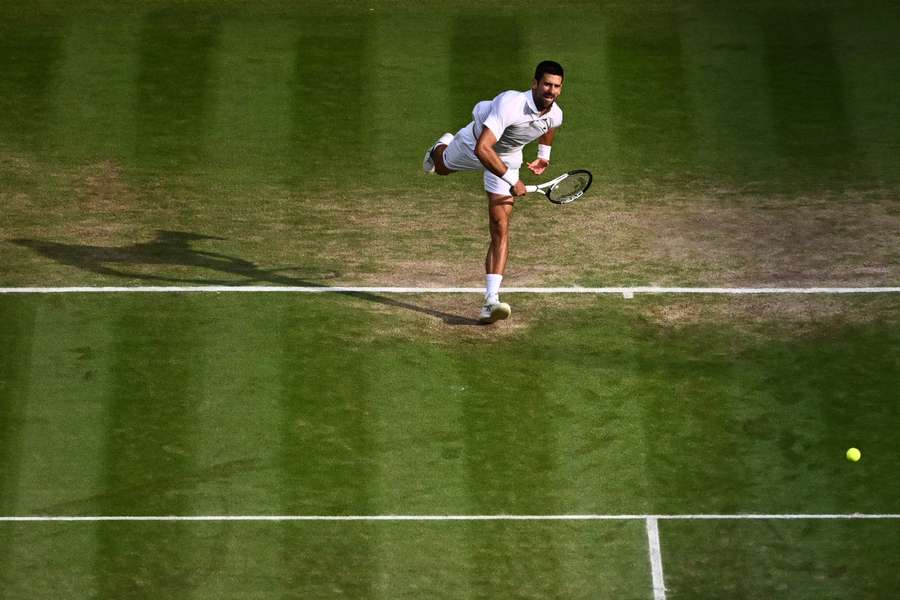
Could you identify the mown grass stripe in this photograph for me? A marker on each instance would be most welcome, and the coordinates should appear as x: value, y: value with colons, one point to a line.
x: 327, y: 447
x: 148, y: 455
x: 177, y: 49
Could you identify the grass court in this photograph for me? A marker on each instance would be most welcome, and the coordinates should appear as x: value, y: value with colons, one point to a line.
x: 380, y: 445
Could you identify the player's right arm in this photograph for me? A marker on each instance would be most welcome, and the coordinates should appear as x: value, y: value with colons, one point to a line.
x: 484, y: 150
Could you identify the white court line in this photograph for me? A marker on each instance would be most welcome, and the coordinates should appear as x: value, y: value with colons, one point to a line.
x: 625, y: 291
x: 656, y: 567
x: 572, y: 517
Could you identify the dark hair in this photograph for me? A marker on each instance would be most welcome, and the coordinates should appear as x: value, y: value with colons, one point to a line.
x: 548, y: 66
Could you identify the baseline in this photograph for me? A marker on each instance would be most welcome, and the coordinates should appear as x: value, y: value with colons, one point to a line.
x: 627, y: 292
x: 571, y: 517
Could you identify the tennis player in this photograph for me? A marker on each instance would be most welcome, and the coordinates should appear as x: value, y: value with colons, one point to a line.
x: 493, y: 142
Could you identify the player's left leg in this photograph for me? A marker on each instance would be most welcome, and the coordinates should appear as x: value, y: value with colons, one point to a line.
x: 500, y: 208
x: 499, y: 212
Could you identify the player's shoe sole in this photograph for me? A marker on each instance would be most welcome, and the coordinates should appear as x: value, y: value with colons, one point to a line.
x: 428, y: 162
x: 491, y: 313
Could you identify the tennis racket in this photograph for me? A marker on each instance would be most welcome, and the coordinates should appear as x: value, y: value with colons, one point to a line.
x: 566, y: 188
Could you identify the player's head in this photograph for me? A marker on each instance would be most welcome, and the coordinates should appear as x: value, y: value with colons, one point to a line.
x: 547, y: 84
x: 548, y: 66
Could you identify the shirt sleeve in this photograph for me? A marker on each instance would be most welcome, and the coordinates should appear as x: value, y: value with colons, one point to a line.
x: 498, y: 118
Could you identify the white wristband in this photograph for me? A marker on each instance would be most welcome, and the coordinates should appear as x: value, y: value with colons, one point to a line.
x: 544, y: 152
x: 509, y: 178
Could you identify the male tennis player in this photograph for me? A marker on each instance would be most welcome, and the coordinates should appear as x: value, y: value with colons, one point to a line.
x: 493, y: 142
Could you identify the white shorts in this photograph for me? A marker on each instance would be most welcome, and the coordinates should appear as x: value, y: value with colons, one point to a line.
x: 460, y: 156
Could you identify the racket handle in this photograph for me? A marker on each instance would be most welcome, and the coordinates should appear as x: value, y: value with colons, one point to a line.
x: 528, y: 188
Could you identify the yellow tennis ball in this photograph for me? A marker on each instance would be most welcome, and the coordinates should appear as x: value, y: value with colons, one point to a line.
x: 853, y: 454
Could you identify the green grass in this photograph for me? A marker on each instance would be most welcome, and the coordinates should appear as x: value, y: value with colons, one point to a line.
x: 273, y: 142
x: 295, y: 132
x: 777, y: 98
x: 260, y: 404
x: 329, y: 560
x: 797, y: 559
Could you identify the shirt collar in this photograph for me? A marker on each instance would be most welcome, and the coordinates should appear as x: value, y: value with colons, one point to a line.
x: 529, y: 101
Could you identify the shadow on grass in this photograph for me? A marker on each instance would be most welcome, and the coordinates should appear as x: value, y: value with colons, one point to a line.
x: 174, y: 248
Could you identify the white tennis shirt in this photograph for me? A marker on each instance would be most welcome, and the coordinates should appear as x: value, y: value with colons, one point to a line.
x: 514, y: 119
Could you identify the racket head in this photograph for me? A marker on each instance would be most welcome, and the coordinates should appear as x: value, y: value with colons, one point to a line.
x: 571, y: 188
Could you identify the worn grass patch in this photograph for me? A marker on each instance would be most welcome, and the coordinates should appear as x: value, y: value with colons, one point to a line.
x: 99, y: 224
x: 451, y: 318
x: 717, y: 237
x: 791, y: 315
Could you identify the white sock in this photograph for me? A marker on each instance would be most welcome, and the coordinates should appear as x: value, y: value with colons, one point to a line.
x: 492, y: 287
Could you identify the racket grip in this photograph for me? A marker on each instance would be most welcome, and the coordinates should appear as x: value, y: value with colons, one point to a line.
x: 528, y: 188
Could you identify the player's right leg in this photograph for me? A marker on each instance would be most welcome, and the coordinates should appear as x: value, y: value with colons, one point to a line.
x: 440, y: 165
x: 453, y: 153
x: 434, y: 156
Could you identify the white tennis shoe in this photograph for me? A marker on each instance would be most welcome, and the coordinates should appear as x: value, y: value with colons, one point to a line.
x: 494, y: 311
x: 428, y: 162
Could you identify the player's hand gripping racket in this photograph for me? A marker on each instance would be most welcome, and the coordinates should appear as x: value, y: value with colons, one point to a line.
x: 566, y: 188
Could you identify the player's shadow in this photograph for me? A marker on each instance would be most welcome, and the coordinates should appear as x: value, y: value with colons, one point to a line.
x: 174, y: 249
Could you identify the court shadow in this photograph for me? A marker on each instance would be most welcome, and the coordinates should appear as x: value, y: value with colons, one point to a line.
x: 175, y: 249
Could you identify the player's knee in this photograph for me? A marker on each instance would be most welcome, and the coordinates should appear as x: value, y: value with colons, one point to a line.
x: 499, y: 225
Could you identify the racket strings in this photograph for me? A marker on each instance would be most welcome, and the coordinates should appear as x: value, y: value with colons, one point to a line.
x: 570, y: 188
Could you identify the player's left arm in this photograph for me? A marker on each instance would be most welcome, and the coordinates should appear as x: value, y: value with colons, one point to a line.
x: 538, y: 165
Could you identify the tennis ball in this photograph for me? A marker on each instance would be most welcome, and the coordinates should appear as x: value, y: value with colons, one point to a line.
x: 853, y: 454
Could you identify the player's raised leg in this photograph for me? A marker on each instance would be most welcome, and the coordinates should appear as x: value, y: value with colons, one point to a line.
x: 499, y: 211
x: 433, y: 161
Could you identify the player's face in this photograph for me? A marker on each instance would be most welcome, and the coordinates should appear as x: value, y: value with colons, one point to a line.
x: 547, y: 90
